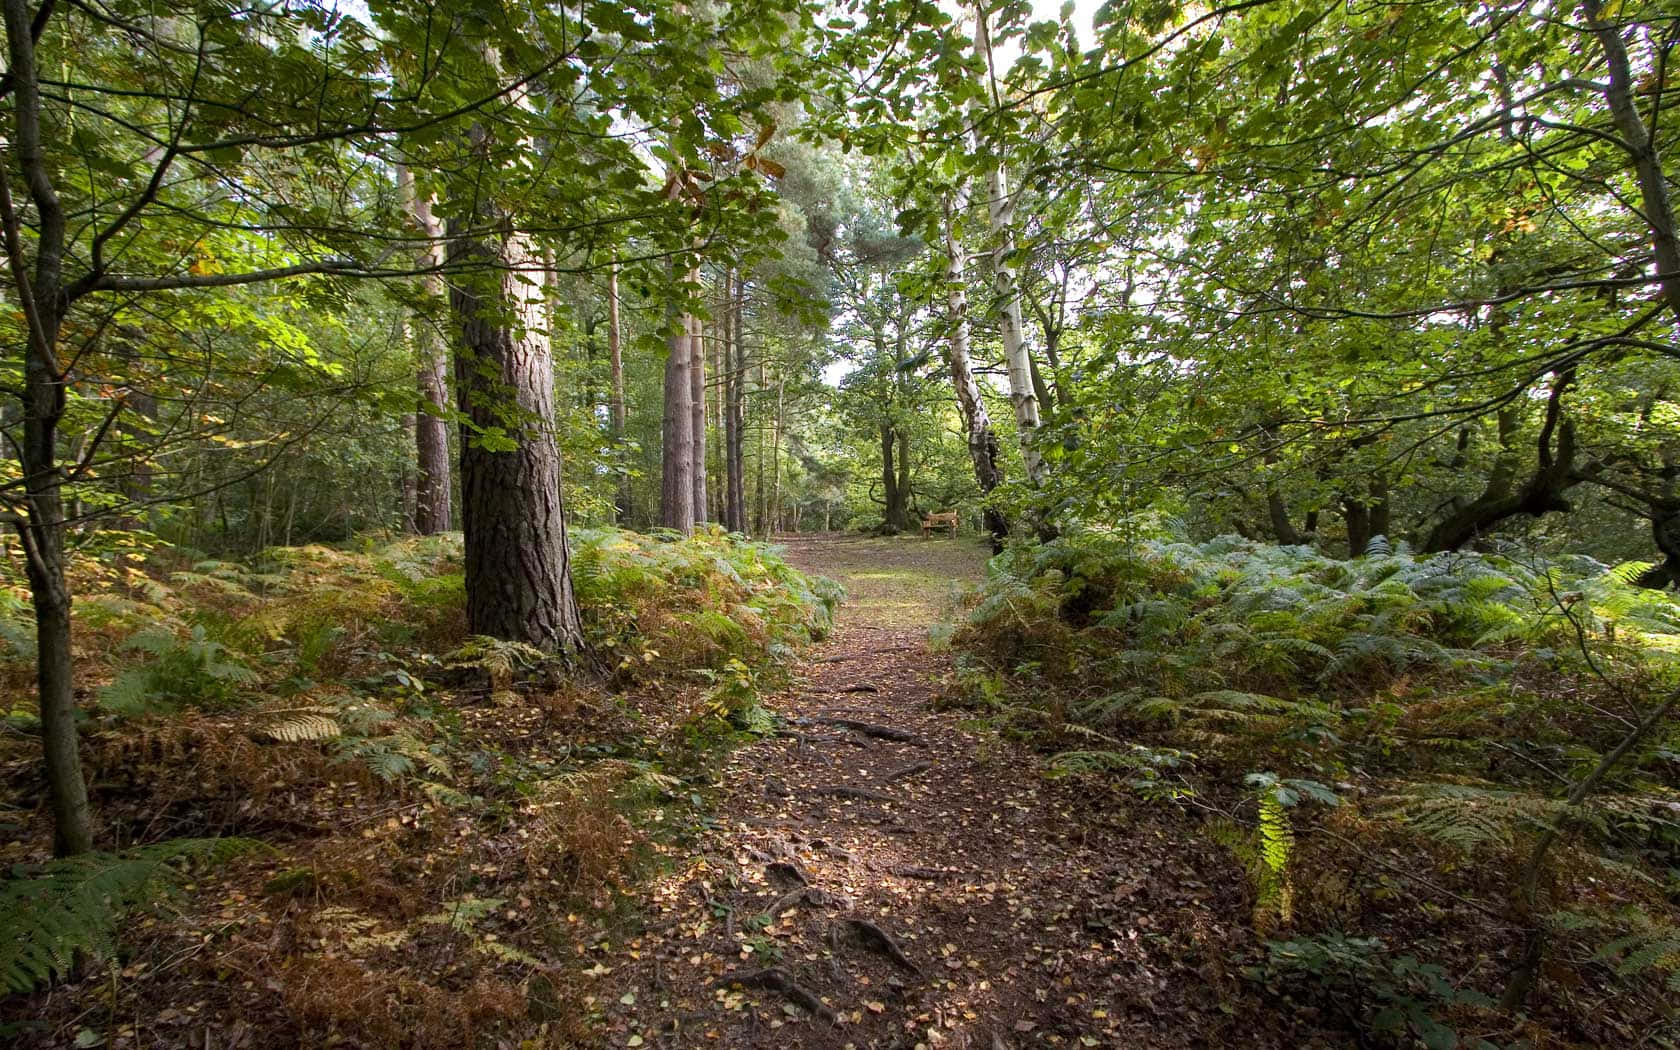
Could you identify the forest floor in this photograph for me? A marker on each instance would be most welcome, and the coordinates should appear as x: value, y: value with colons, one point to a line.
x: 889, y: 872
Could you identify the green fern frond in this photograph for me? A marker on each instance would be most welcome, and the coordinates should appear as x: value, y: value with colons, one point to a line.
x: 1629, y: 571
x: 1654, y: 947
x: 73, y: 906
x: 1468, y: 817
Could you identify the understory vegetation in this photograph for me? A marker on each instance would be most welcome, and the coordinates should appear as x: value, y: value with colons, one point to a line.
x: 397, y: 398
x: 1447, y: 777
x: 393, y: 828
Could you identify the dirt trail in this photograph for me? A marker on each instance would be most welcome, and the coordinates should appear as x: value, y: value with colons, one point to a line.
x: 891, y: 875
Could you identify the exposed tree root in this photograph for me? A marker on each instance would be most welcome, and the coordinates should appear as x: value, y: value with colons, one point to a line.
x: 876, y: 939
x: 847, y: 791
x: 787, y: 872
x: 911, y: 871
x: 905, y: 771
x: 779, y: 980
x: 805, y: 895
x: 845, y: 657
x: 880, y: 732
x: 811, y: 740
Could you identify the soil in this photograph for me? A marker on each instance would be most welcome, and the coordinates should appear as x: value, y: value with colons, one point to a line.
x: 888, y: 873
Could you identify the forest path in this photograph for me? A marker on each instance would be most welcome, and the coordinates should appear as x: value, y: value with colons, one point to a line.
x: 886, y: 874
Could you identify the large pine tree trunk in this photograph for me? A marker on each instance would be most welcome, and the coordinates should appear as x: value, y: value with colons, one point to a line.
x: 518, y: 573
x: 432, y: 512
x: 977, y: 422
x: 676, y: 491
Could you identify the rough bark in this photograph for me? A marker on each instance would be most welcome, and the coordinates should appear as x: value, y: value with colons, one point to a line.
x: 1357, y: 517
x: 518, y: 573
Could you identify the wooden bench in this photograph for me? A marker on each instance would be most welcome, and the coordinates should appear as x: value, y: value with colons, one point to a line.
x: 947, y: 520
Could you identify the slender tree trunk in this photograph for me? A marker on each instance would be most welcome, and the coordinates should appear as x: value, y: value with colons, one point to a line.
x: 1357, y: 515
x: 291, y: 512
x: 977, y: 422
x: 1277, y: 512
x: 1541, y: 494
x: 135, y: 440
x: 432, y: 510
x: 726, y: 348
x: 1000, y: 209
x: 717, y: 368
x: 1522, y: 979
x: 676, y: 494
x: 1381, y: 510
x: 776, y: 459
x: 265, y: 527
x: 615, y: 352
x: 735, y: 368
x: 1656, y: 208
x: 760, y: 507
x: 41, y: 529
x: 518, y: 572
x: 906, y: 491
x: 408, y: 479
x: 1040, y: 391
x: 697, y: 413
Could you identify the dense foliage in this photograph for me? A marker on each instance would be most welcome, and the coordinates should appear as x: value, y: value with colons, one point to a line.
x: 1437, y: 711
x: 260, y: 698
x: 1389, y: 292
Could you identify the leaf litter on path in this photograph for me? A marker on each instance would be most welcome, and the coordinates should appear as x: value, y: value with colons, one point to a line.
x: 947, y: 894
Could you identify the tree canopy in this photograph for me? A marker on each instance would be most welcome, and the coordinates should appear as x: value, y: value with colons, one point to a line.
x: 1352, y: 280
